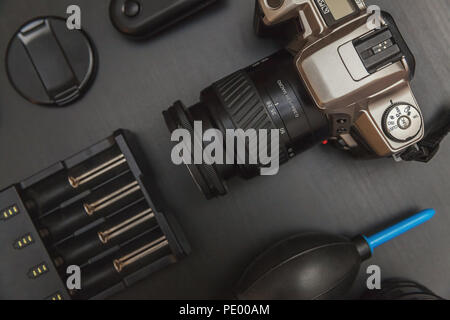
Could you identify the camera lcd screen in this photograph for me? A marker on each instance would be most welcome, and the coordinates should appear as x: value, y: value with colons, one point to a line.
x: 340, y: 8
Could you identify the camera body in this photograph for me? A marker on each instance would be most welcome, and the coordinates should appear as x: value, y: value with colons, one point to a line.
x: 343, y: 76
x: 355, y: 66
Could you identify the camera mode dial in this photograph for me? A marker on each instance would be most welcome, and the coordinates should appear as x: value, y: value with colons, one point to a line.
x: 402, y: 122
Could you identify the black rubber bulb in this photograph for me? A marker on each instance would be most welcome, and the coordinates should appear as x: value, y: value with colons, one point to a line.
x: 315, y: 265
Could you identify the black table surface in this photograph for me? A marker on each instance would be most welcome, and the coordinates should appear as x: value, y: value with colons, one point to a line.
x: 322, y: 189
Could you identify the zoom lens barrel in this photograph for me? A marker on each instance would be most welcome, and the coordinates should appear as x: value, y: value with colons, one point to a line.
x: 267, y: 95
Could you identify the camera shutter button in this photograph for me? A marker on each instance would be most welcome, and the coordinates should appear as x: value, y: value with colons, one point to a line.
x: 402, y: 122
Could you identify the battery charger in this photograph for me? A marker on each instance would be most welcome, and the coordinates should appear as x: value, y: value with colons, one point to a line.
x: 95, y: 210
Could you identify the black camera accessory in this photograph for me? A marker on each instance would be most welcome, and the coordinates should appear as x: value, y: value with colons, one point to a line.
x: 399, y: 289
x: 96, y: 210
x: 315, y: 265
x: 144, y: 18
x: 262, y: 96
x: 49, y: 64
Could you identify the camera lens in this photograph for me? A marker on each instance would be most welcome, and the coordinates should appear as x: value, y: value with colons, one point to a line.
x: 267, y: 95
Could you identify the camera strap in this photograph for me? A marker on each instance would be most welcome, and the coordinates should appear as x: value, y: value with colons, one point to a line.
x: 426, y: 149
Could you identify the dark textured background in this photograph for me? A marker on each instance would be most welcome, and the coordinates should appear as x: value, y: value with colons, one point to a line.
x: 322, y: 189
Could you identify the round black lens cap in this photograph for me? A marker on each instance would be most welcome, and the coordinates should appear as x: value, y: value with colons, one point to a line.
x: 49, y: 64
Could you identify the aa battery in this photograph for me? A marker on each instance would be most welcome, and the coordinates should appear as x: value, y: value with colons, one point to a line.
x: 111, y: 270
x: 96, y: 172
x: 125, y: 261
x: 79, y: 249
x: 96, y: 278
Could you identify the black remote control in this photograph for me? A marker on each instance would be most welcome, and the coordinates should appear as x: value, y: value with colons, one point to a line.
x: 144, y: 18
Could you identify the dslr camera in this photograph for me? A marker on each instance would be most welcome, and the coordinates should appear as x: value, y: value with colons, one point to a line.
x: 342, y: 78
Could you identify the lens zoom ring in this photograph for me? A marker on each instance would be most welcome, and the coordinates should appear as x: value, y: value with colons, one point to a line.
x: 245, y: 106
x: 242, y: 102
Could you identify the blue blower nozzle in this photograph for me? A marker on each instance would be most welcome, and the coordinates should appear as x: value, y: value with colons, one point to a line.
x: 390, y: 233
